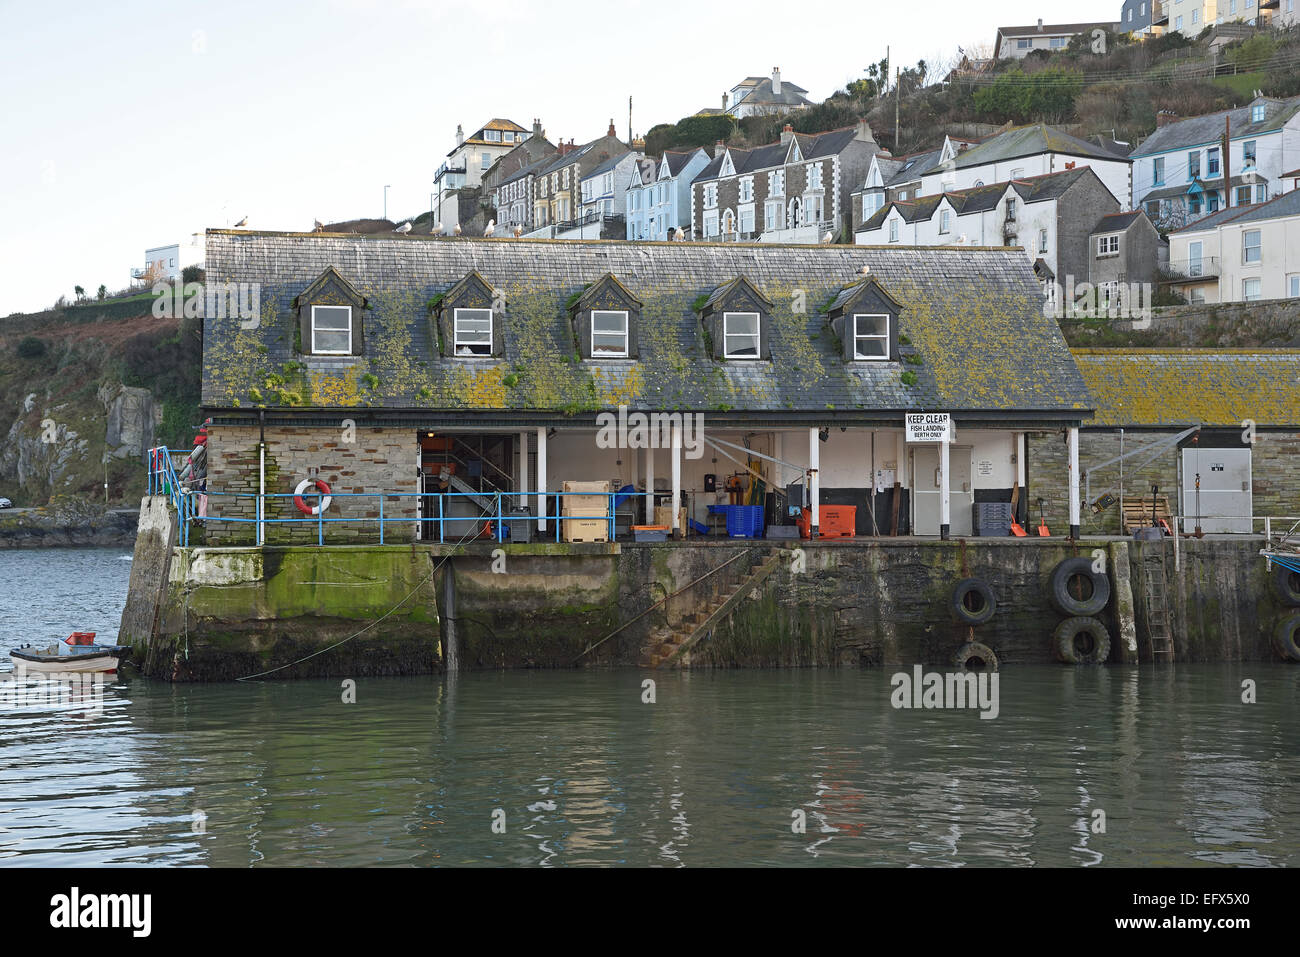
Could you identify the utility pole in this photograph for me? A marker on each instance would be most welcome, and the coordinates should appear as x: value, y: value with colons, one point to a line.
x: 1227, y: 161
x: 629, y: 122
x: 385, y: 202
x: 898, y: 136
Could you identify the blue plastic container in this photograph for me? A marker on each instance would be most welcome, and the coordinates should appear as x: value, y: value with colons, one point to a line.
x: 745, y: 521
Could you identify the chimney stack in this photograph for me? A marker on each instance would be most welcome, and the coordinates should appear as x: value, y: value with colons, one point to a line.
x: 537, y: 127
x: 611, y: 131
x: 787, y: 134
x: 724, y: 102
x: 864, y: 134
x: 719, y: 148
x: 1040, y: 24
x: 460, y: 134
x: 776, y: 80
x: 1165, y: 117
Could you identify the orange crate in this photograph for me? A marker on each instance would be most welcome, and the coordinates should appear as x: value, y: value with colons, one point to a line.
x: 834, y: 521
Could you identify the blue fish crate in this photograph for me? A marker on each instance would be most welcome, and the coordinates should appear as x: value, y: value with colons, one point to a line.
x: 744, y: 521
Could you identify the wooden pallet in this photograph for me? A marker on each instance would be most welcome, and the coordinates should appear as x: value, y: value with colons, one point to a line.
x: 1137, y: 514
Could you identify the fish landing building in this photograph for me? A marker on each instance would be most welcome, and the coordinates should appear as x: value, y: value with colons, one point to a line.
x: 426, y: 378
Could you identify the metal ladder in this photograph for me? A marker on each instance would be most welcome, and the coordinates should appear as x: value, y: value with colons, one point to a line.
x: 1157, y: 600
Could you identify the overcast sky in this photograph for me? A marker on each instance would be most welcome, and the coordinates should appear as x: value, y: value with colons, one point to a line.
x: 136, y: 123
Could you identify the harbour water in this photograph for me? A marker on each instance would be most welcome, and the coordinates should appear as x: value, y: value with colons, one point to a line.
x: 792, y: 768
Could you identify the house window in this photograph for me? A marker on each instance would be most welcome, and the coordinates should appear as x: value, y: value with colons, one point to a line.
x: 1194, y: 205
x: 1042, y: 240
x: 1178, y: 23
x: 1212, y: 161
x: 1196, y: 17
x: 1023, y: 44
x: 1293, y: 286
x: 1261, y: 193
x: 870, y: 336
x: 945, y: 220
x: 1197, y: 295
x: 711, y: 224
x: 608, y: 334
x: 747, y: 189
x: 711, y: 196
x: 814, y: 176
x: 740, y: 335
x: 893, y: 230
x: 773, y: 214
x: 1058, y: 43
x: 1142, y: 10
x: 1250, y: 290
x: 1108, y: 246
x: 1251, y: 246
x: 1248, y: 153
x: 331, y: 330
x: 776, y: 182
x: 747, y: 220
x: 1011, y: 210
x: 1243, y: 195
x: 1212, y: 202
x: 1158, y: 171
x: 473, y: 332
x: 492, y: 136
x: 1257, y: 113
x: 1193, y: 165
x: 486, y: 160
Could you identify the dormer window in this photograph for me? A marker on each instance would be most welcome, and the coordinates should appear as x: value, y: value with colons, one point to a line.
x: 473, y: 332
x: 608, y: 334
x: 1257, y: 113
x: 871, y: 336
x: 331, y: 330
x: 740, y: 334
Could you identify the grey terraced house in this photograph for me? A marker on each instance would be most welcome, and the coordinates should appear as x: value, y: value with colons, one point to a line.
x: 392, y: 366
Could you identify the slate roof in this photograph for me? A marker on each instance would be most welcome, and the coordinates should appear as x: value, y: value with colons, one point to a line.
x: 1052, y: 29
x: 771, y: 155
x: 1115, y: 222
x: 1188, y: 189
x: 607, y: 165
x: 1183, y: 387
x: 1032, y: 189
x: 531, y: 169
x: 1208, y: 129
x: 974, y: 316
x: 1288, y: 204
x: 677, y: 160
x: 1030, y: 141
x: 760, y: 94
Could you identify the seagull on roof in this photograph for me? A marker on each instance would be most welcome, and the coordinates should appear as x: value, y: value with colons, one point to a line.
x: 404, y: 228
x: 318, y: 225
x: 242, y: 222
x: 827, y: 238
x: 491, y: 227
x: 865, y: 270
x: 456, y: 231
x: 518, y: 230
x: 435, y: 229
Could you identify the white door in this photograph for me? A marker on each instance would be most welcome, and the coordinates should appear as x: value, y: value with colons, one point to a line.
x: 925, y: 488
x: 1225, y: 495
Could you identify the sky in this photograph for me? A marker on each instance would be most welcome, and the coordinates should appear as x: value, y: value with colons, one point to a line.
x: 138, y: 123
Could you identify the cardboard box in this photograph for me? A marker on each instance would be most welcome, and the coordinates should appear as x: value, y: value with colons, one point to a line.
x: 664, y: 516
x: 588, y: 506
x: 586, y: 488
x: 585, y: 530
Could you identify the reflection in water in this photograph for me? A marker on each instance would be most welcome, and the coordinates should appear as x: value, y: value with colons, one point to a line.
x: 285, y: 773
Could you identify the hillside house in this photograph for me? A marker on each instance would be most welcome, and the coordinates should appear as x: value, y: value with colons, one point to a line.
x: 659, y: 194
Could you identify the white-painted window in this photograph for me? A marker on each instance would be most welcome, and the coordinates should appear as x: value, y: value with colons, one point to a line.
x: 710, y: 195
x: 740, y: 335
x: 747, y: 219
x: 747, y: 189
x: 814, y: 176
x: 1108, y: 245
x: 870, y: 336
x: 1251, y: 246
x: 945, y: 220
x: 776, y: 182
x: 1250, y: 290
x: 774, y: 214
x: 893, y: 230
x: 608, y: 334
x: 1293, y: 286
x: 472, y: 335
x: 1042, y: 240
x: 331, y: 330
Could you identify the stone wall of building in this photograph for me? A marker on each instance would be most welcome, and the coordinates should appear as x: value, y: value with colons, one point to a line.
x: 353, y: 462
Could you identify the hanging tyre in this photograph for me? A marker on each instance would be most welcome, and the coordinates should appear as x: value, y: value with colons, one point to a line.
x: 1078, y: 591
x: 1082, y: 641
x: 973, y: 601
x: 974, y: 656
x: 1284, y: 638
x: 1286, y: 582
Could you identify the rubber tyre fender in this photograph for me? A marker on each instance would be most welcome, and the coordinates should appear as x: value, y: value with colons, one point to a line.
x: 1069, y: 629
x: 1066, y: 603
x: 1286, y: 583
x: 1284, y: 638
x: 979, y: 587
x: 974, y: 649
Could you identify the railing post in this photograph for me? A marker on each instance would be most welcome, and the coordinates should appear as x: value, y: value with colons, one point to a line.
x: 381, y: 518
x: 320, y: 519
x: 500, y: 535
x: 442, y: 540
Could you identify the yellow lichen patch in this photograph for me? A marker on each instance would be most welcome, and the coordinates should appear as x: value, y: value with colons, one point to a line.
x: 481, y: 387
x: 619, y: 390
x: 341, y: 388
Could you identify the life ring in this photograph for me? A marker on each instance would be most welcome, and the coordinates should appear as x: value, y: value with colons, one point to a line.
x: 1078, y: 572
x: 1082, y: 641
x: 322, y: 503
x: 973, y: 601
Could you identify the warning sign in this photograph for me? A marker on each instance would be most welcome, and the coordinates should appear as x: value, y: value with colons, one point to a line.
x: 929, y: 427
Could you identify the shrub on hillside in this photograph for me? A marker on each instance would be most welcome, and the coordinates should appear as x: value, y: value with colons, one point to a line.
x: 29, y: 347
x: 192, y: 274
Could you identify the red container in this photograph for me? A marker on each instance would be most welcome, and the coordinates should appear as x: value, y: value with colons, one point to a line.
x: 80, y: 638
x: 834, y: 521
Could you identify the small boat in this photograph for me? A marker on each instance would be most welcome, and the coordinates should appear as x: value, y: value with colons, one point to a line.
x: 77, y: 653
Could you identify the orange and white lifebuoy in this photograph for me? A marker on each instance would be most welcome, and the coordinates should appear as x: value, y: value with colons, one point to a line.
x: 322, y: 503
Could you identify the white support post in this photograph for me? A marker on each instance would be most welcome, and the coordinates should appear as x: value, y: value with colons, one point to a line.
x: 261, y: 493
x: 523, y: 469
x: 945, y: 501
x: 541, y: 479
x: 814, y: 480
x: 650, y: 484
x: 677, y: 530
x: 1074, y: 482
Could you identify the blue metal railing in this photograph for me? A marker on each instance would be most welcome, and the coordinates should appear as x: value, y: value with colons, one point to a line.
x: 438, y: 508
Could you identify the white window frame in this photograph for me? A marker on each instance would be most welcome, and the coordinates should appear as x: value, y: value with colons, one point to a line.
x: 873, y: 336
x: 1042, y: 240
x: 457, y: 342
x: 1293, y: 285
x: 1107, y: 246
x: 1259, y: 290
x: 945, y: 222
x: 1246, y: 246
x: 893, y: 230
x: 606, y: 353
x: 331, y: 352
x: 756, y: 336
